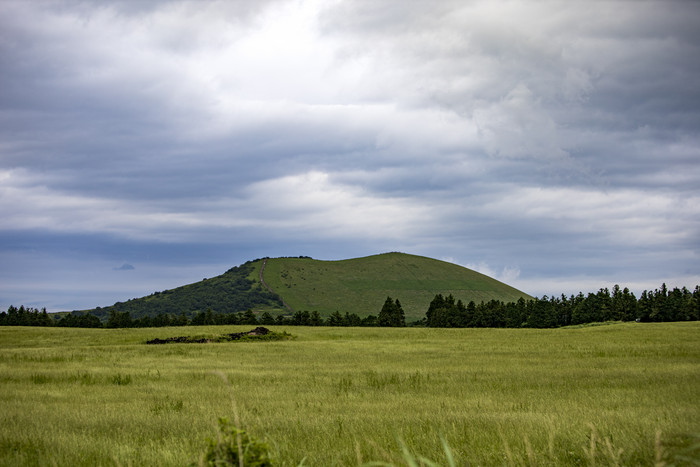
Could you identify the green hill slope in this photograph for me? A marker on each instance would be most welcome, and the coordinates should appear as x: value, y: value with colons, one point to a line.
x: 361, y: 285
x: 236, y: 290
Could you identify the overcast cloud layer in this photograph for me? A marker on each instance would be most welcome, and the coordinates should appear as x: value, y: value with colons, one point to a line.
x: 145, y: 145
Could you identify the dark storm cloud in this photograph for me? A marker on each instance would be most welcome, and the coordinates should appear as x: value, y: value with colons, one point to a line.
x: 549, y: 144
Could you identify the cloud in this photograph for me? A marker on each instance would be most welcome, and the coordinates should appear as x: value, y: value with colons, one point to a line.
x: 125, y: 267
x: 543, y: 141
x: 314, y: 203
x: 508, y: 275
x: 518, y: 127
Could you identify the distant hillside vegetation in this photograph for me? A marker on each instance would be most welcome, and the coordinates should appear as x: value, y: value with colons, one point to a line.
x: 362, y: 285
x: 232, y: 292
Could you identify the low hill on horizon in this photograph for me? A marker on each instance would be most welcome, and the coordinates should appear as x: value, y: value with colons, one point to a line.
x: 358, y: 285
x: 361, y: 285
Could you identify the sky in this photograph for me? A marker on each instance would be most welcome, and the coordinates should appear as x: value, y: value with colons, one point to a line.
x: 145, y: 145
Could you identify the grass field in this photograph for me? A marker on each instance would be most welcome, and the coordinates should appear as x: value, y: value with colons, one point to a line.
x: 594, y: 395
x: 361, y: 285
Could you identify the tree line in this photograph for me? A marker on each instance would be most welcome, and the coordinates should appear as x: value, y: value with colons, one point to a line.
x: 546, y: 312
x: 391, y: 314
x: 551, y: 312
x: 25, y: 317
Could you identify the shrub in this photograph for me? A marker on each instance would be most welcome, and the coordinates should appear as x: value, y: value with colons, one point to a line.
x: 121, y: 380
x: 235, y: 447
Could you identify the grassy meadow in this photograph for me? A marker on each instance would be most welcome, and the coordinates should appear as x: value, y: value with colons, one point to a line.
x: 619, y: 394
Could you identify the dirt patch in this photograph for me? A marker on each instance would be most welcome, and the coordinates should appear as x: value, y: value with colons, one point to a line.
x: 259, y: 333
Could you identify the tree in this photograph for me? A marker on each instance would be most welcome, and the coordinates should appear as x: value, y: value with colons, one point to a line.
x: 280, y: 319
x: 249, y: 317
x: 695, y: 304
x: 89, y: 321
x: 352, y: 319
x: 542, y: 314
x: 301, y: 318
x: 644, y: 307
x: 439, y: 318
x: 437, y: 303
x: 161, y: 320
x: 335, y: 319
x: 624, y: 304
x: 267, y: 318
x: 119, y: 319
x: 391, y: 314
x: 369, y: 321
x: 385, y: 315
x: 515, y: 313
x: 399, y: 315
x: 659, y: 309
x: 200, y: 319
x: 315, y: 319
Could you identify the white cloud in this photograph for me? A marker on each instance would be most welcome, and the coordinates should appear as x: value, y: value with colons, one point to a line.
x: 307, y: 203
x: 507, y: 275
x: 616, y: 216
x: 518, y: 127
x: 314, y: 203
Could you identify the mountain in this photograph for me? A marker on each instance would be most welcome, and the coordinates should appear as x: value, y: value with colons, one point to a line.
x: 358, y: 285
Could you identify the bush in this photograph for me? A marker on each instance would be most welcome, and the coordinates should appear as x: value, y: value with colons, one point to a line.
x: 235, y: 447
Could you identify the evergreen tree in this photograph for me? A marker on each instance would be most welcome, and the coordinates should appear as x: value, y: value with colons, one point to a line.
x: 604, y: 306
x: 301, y: 318
x: 659, y: 308
x: 695, y: 304
x: 267, y: 318
x: 461, y: 315
x: 469, y: 315
x: 315, y: 319
x: 369, y: 321
x: 399, y: 318
x: 514, y: 313
x: 386, y: 315
x: 280, y: 319
x: 437, y: 303
x: 352, y: 319
x: 181, y: 320
x: 624, y: 304
x: 439, y: 318
x: 335, y: 319
x: 119, y: 319
x: 198, y: 320
x: 391, y: 314
x: 644, y: 307
x: 89, y: 320
x: 249, y: 318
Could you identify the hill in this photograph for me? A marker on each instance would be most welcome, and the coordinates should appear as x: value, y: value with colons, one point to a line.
x: 234, y: 291
x: 357, y: 285
x: 361, y: 285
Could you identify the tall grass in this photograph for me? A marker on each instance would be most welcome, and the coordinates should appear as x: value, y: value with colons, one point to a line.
x: 353, y: 396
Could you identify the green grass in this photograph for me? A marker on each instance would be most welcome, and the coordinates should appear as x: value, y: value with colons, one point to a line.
x: 361, y: 285
x: 347, y: 396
